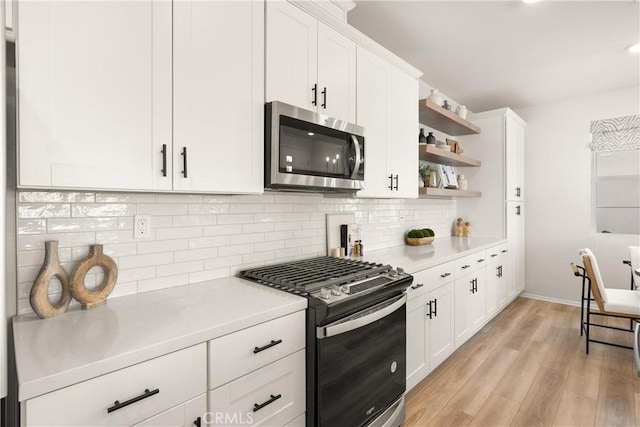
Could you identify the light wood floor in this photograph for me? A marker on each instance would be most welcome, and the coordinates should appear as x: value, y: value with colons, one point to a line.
x: 528, y: 367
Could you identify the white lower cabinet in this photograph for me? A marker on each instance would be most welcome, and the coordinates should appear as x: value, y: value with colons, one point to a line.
x: 497, y: 283
x: 429, y: 321
x: 189, y: 414
x: 469, y: 305
x: 273, y: 395
x: 124, y: 397
x: 257, y: 375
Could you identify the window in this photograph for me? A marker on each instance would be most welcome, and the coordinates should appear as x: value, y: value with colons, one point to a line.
x: 616, y: 183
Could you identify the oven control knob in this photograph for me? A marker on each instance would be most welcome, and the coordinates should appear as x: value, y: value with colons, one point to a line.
x: 393, y: 273
x: 335, y: 291
x: 344, y: 289
x: 400, y: 270
x: 324, y: 293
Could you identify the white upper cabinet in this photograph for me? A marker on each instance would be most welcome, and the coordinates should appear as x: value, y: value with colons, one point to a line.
x: 387, y: 107
x: 514, y: 146
x: 308, y: 64
x: 172, y: 100
x: 94, y: 103
x: 218, y: 90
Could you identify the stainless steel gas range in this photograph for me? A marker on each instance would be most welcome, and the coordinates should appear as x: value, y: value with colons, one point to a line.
x: 356, y: 337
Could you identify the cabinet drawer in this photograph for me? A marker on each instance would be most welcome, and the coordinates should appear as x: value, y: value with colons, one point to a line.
x: 470, y: 263
x: 178, y: 377
x: 497, y: 253
x: 272, y: 395
x: 432, y: 278
x: 239, y: 353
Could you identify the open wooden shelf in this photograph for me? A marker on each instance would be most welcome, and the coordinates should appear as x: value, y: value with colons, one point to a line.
x: 436, y: 117
x: 429, y: 153
x: 446, y: 192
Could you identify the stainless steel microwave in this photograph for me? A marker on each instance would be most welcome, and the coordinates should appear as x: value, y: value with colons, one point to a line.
x: 310, y: 151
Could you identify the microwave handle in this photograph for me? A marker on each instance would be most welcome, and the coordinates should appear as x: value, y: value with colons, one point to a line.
x: 356, y: 167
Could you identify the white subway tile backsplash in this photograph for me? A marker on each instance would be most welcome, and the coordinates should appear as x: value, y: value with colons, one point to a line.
x: 200, y: 237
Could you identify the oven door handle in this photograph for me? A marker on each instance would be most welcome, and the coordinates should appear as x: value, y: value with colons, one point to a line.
x: 356, y: 166
x: 360, y: 321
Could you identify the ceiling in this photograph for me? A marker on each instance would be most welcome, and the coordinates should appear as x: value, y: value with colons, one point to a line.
x: 493, y: 54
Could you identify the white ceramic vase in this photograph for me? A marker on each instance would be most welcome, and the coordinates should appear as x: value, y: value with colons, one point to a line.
x: 435, y: 97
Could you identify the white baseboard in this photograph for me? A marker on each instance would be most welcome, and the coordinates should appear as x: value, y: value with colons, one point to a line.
x: 550, y: 299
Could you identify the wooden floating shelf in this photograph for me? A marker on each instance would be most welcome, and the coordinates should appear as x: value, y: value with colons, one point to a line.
x: 436, y: 117
x: 429, y: 153
x: 446, y: 192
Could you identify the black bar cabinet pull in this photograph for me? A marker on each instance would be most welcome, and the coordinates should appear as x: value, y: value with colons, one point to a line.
x: 197, y: 422
x: 504, y: 251
x: 314, y: 89
x: 397, y: 179
x: 184, y: 161
x: 419, y: 285
x: 481, y: 260
x: 518, y: 210
x: 464, y: 267
x: 324, y: 98
x: 391, y: 184
x: 164, y: 159
x: 271, y: 344
x: 445, y: 275
x: 257, y: 407
x: 473, y: 288
x: 475, y: 285
x: 517, y: 191
x: 494, y: 255
x: 117, y: 405
x: 435, y: 307
x: 430, y: 313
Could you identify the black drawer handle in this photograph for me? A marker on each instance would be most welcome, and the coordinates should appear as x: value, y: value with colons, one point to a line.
x: 271, y: 344
x: 197, y: 422
x: 117, y: 405
x: 481, y: 260
x: 184, y: 161
x: 494, y: 255
x: 164, y: 160
x: 504, y: 251
x: 419, y: 285
x: 257, y: 407
x: 445, y: 275
x: 465, y: 266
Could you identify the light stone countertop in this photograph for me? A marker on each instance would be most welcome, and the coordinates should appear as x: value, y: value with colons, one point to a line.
x: 415, y: 258
x: 79, y: 345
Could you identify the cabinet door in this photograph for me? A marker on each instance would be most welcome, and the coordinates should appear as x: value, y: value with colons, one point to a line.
x: 402, y: 151
x: 417, y: 341
x: 515, y: 237
x: 492, y: 283
x: 514, y: 146
x: 292, y: 58
x: 477, y: 307
x: 462, y: 318
x: 185, y: 415
x: 373, y: 99
x: 441, y: 325
x: 95, y: 103
x: 336, y: 74
x: 218, y: 96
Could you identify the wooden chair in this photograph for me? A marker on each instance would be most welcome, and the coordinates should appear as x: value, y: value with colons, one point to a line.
x: 621, y: 303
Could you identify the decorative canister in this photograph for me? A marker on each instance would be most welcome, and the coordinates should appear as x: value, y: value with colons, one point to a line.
x: 431, y: 139
x: 462, y: 182
x: 422, y: 139
x: 435, y: 97
x: 462, y: 112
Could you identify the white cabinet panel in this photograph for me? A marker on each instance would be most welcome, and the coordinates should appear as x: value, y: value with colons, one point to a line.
x: 515, y: 235
x: 94, y: 103
x: 469, y: 305
x: 292, y: 59
x: 417, y: 341
x: 185, y: 415
x: 281, y: 383
x: 218, y: 96
x: 441, y: 324
x: 336, y: 74
x: 177, y: 376
x: 514, y: 146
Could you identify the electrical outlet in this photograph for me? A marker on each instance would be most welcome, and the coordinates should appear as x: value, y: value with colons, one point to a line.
x: 141, y: 226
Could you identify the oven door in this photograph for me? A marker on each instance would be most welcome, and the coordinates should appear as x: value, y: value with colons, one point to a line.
x: 312, y: 151
x: 361, y: 364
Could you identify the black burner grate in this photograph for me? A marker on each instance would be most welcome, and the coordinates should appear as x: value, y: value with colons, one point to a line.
x: 315, y: 273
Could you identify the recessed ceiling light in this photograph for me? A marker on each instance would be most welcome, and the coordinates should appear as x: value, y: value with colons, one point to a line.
x: 635, y: 48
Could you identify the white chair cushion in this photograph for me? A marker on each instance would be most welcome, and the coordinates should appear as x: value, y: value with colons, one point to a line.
x: 596, y: 272
x: 623, y: 301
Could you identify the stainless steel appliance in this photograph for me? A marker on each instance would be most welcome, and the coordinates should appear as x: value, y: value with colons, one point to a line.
x: 309, y: 151
x: 356, y: 337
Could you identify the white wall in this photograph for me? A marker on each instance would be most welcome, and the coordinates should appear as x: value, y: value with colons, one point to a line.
x: 559, y: 199
x: 200, y: 237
